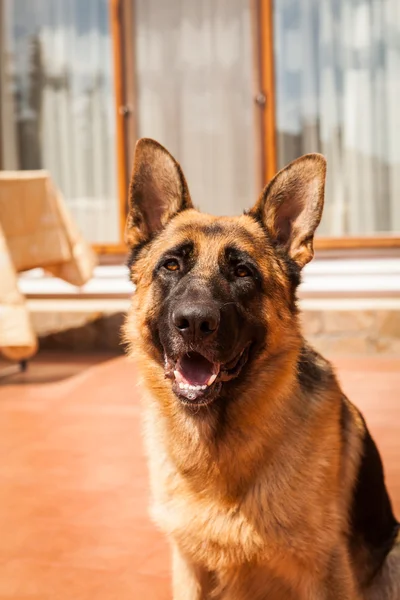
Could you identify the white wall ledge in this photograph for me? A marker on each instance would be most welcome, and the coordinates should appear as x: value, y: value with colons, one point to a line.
x: 339, y: 278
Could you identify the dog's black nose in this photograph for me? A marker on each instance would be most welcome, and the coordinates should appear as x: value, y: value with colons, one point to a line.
x: 196, y: 321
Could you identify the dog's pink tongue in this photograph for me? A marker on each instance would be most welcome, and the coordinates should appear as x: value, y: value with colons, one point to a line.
x: 196, y: 369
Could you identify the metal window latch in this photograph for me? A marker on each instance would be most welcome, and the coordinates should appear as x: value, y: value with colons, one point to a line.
x: 260, y: 99
x: 125, y: 110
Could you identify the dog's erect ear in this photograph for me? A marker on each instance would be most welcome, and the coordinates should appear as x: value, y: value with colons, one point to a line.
x: 157, y: 192
x: 290, y: 207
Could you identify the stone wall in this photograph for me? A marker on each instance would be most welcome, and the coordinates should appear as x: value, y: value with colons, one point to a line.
x: 353, y: 332
x: 331, y: 331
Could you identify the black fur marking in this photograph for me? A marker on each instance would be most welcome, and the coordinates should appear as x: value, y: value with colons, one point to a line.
x: 184, y: 250
x: 135, y: 252
x: 293, y: 274
x: 155, y: 336
x: 293, y: 271
x: 313, y: 371
x: 245, y: 233
x: 235, y: 255
x: 218, y: 229
x: 372, y: 517
x: 257, y: 217
x: 290, y: 267
x: 213, y: 229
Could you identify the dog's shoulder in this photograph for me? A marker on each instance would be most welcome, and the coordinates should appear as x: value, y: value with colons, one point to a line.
x: 372, y: 524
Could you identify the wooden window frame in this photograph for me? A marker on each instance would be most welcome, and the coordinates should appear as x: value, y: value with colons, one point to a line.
x: 123, y: 49
x: 121, y: 31
x: 122, y: 35
x: 262, y: 11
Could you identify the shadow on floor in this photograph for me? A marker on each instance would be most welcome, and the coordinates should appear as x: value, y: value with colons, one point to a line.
x: 49, y: 367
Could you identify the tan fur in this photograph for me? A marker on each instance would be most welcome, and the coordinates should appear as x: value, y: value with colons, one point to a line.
x: 256, y: 510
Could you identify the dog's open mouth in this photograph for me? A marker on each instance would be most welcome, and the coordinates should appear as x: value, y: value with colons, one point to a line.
x: 194, y: 371
x: 197, y: 380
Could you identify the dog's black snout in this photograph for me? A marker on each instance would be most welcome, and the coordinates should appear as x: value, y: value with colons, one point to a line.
x: 196, y: 321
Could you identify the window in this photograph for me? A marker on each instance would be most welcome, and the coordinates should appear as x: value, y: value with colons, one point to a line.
x: 58, y: 104
x: 81, y: 80
x: 337, y: 90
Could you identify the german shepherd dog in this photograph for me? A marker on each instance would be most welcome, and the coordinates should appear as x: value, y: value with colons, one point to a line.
x: 264, y: 476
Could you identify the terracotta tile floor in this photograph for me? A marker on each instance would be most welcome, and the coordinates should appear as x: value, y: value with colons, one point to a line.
x: 73, y: 483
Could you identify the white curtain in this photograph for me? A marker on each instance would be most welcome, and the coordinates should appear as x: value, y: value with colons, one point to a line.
x: 337, y: 65
x: 194, y: 81
x: 64, y: 98
x: 8, y: 133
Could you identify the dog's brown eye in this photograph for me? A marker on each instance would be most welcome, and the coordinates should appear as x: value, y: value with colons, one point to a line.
x: 242, y: 271
x: 172, y: 265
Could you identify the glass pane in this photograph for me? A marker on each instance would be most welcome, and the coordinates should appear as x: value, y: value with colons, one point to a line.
x: 60, y: 103
x: 337, y: 92
x: 194, y: 71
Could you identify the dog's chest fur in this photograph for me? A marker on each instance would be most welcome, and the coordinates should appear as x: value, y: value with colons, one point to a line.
x: 222, y: 532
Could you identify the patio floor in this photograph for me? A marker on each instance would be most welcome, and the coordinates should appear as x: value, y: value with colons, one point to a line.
x: 73, y: 481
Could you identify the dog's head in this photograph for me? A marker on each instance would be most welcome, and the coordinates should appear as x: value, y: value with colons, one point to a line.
x: 214, y: 295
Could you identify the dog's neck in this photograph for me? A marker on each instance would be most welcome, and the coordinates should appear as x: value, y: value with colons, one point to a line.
x: 205, y: 444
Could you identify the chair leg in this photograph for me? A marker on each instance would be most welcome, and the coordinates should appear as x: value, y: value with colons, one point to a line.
x: 21, y: 367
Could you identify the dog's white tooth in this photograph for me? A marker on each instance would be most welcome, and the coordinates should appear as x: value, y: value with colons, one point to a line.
x: 187, y: 386
x: 212, y: 379
x: 181, y: 385
x: 178, y: 376
x: 203, y: 387
x: 198, y: 388
x: 192, y: 387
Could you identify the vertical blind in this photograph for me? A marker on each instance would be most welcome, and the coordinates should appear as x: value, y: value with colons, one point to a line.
x: 194, y: 81
x: 337, y: 68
